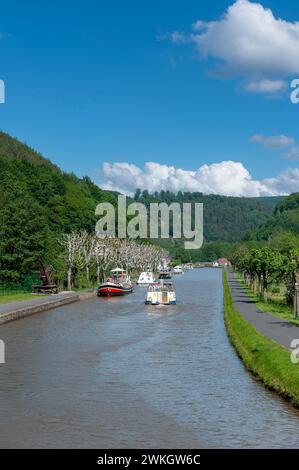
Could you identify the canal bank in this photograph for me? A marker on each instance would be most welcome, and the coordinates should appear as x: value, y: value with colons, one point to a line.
x: 269, y: 361
x: 21, y: 309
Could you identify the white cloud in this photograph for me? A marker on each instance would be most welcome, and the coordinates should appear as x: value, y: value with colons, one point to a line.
x: 278, y: 142
x: 286, y: 183
x: 266, y: 86
x: 251, y: 43
x: 274, y: 141
x: 179, y: 38
x: 292, y: 153
x: 227, y: 178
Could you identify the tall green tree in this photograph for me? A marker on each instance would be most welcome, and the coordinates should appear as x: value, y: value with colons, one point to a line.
x: 23, y: 233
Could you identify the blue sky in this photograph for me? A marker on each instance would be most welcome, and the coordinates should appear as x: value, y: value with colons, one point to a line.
x: 109, y: 81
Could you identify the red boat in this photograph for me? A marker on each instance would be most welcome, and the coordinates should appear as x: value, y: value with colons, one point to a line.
x: 118, y: 283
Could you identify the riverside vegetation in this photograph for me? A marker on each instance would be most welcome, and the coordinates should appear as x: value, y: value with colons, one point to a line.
x: 268, y: 260
x: 266, y: 359
x: 268, y: 266
x: 266, y: 269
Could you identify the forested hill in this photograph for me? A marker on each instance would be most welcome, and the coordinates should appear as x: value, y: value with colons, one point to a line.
x: 226, y: 219
x: 38, y: 202
x: 284, y: 224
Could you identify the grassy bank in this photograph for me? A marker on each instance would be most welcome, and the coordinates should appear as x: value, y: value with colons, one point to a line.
x: 276, y: 305
x: 6, y: 299
x: 266, y: 359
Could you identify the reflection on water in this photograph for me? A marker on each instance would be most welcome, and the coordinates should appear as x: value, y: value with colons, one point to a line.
x: 116, y: 373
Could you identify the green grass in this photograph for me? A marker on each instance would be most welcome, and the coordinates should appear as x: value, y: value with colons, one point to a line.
x: 5, y: 299
x: 83, y: 289
x: 265, y: 358
x: 276, y: 305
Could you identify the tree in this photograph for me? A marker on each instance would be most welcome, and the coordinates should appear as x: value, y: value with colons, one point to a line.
x: 270, y: 265
x: 23, y: 233
x: 290, y: 275
x: 87, y: 245
x: 264, y: 263
x: 72, y: 244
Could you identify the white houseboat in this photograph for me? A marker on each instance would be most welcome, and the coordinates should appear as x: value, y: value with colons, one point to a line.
x: 160, y: 293
x: 177, y: 270
x: 146, y: 278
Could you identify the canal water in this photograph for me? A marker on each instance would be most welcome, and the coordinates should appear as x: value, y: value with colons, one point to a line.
x: 114, y: 373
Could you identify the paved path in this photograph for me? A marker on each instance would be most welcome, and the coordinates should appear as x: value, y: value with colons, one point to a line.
x: 274, y: 328
x: 38, y: 300
x: 20, y: 309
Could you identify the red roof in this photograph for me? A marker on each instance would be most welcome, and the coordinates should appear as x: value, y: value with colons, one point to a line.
x: 223, y: 261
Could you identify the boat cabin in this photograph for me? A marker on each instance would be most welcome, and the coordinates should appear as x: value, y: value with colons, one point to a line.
x: 161, y: 293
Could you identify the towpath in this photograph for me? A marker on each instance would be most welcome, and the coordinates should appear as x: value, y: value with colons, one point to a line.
x: 281, y: 331
x: 19, y: 309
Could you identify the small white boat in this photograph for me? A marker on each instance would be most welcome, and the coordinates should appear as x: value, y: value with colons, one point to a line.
x: 146, y: 278
x: 177, y: 270
x: 188, y: 266
x: 160, y: 293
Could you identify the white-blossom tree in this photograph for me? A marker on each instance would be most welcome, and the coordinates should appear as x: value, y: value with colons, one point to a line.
x: 87, y: 245
x: 71, y: 243
x: 84, y: 250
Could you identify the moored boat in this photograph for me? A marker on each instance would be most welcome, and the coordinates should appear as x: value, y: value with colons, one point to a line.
x: 165, y: 275
x: 177, y: 270
x: 188, y: 266
x: 161, y: 293
x: 118, y: 283
x: 146, y: 278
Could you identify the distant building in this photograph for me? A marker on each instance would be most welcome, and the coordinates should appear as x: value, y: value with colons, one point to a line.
x: 223, y: 262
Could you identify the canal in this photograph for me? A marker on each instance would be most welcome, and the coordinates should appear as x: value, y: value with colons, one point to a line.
x: 114, y: 373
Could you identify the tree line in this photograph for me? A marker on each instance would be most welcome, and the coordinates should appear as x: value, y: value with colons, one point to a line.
x: 263, y: 267
x: 88, y: 254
